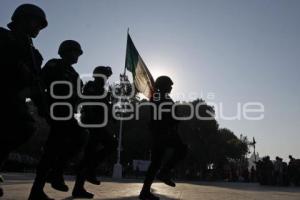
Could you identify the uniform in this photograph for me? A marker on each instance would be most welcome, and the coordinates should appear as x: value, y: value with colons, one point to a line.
x: 20, y: 65
x: 66, y: 137
x: 93, y: 156
x: 164, y: 136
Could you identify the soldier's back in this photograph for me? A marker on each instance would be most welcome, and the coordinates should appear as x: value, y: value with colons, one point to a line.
x: 57, y: 70
x: 163, y: 122
x: 93, y: 114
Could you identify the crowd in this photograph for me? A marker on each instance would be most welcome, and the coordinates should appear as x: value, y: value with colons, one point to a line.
x: 278, y: 173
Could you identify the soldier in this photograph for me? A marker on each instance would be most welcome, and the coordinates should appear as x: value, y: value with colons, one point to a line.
x: 253, y: 174
x: 267, y: 171
x: 294, y: 170
x: 65, y: 137
x: 165, y: 135
x: 20, y: 65
x: 92, y: 115
x: 278, y: 171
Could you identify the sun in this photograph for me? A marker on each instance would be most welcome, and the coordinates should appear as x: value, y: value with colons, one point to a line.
x: 159, y: 70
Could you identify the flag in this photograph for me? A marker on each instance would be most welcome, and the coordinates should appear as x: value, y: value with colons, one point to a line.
x: 134, y: 63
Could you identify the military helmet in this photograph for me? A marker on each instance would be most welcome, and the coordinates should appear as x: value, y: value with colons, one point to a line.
x: 102, y: 70
x: 69, y: 45
x: 29, y: 11
x: 163, y: 81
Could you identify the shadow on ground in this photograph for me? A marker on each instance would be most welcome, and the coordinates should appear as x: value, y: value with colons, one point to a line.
x: 162, y: 197
x: 247, y: 186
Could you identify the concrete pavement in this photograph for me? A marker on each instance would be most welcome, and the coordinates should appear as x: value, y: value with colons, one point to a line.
x: 17, y: 187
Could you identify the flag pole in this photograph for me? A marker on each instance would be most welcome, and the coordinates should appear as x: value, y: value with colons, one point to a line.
x: 117, y: 171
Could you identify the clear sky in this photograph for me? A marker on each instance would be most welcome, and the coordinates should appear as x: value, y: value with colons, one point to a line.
x: 242, y: 51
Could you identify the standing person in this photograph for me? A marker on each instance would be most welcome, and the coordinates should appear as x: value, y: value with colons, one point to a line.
x: 91, y: 115
x: 20, y: 66
x: 253, y: 174
x: 278, y: 171
x: 164, y: 135
x: 294, y: 170
x: 65, y: 138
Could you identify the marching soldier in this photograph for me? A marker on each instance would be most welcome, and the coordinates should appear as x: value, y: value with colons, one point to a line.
x: 95, y: 115
x: 164, y: 135
x: 21, y: 65
x: 66, y: 135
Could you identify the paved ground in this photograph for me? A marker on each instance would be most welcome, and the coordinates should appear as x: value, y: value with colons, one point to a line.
x: 17, y: 187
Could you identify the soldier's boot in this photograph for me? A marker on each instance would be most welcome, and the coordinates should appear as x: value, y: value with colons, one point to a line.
x: 82, y: 193
x: 38, y: 195
x: 79, y: 191
x: 147, y: 196
x: 57, y: 182
x: 93, y: 180
x: 165, y: 177
x: 92, y: 177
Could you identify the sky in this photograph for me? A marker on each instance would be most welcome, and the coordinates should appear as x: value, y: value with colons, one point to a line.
x: 237, y: 51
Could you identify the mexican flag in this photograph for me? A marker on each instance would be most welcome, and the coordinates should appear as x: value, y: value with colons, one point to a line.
x: 134, y: 63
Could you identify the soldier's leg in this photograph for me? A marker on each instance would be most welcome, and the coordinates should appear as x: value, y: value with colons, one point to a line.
x: 100, y: 145
x: 15, y: 136
x: 75, y: 139
x: 156, y: 160
x: 53, y: 147
x: 109, y: 145
x: 178, y: 154
x: 93, y: 156
x: 90, y: 155
x: 55, y: 177
x: 47, y: 160
x: 82, y: 171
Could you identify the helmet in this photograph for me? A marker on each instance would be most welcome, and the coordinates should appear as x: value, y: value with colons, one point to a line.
x: 163, y: 81
x: 102, y: 70
x: 29, y: 11
x: 69, y: 45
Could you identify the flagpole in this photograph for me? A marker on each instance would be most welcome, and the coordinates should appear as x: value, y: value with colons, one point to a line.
x: 117, y: 171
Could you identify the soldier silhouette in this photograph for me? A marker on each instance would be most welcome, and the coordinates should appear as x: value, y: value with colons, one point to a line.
x: 21, y: 65
x: 165, y: 135
x: 66, y: 136
x: 92, y: 115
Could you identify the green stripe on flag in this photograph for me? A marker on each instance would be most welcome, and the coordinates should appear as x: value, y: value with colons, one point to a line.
x: 132, y: 56
x: 142, y: 78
